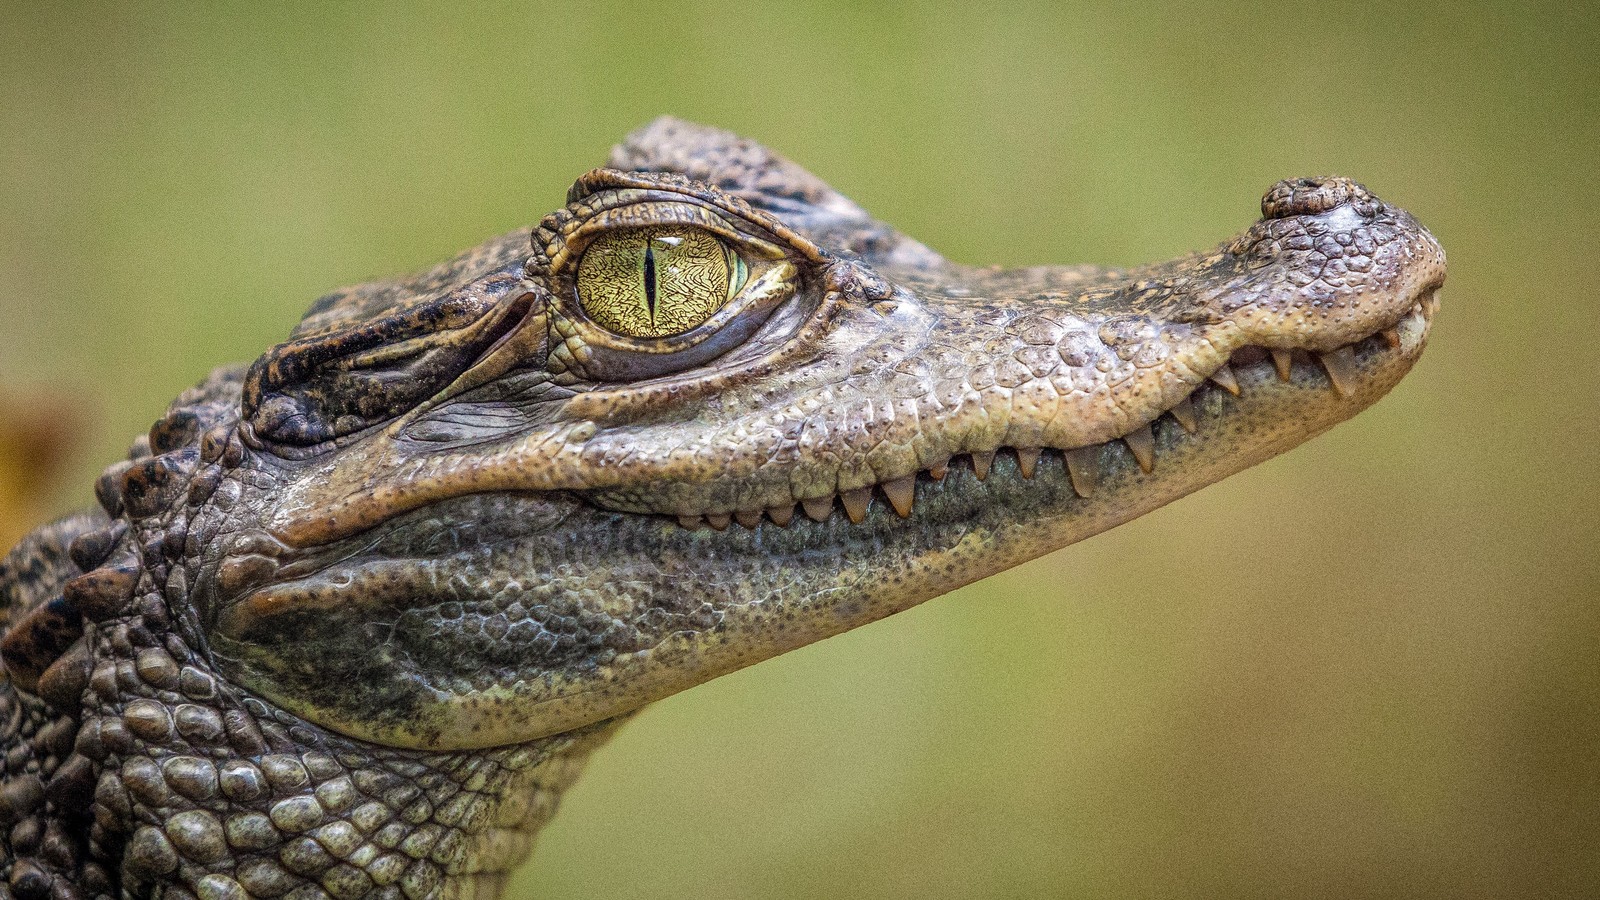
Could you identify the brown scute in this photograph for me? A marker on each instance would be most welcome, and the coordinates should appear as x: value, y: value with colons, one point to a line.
x: 108, y: 487
x: 151, y: 485
x: 325, y: 386
x: 91, y: 548
x: 178, y: 428
x: 38, y: 622
x: 62, y: 683
x: 104, y: 592
x: 32, y: 644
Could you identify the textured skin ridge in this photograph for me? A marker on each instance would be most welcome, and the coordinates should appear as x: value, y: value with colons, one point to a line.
x: 43, y: 837
x: 352, y: 618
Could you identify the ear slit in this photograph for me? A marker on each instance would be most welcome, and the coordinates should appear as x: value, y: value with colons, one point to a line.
x: 305, y: 393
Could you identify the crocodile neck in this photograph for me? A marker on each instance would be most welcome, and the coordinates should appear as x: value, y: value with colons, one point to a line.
x: 225, y: 794
x: 205, y: 788
x: 200, y: 789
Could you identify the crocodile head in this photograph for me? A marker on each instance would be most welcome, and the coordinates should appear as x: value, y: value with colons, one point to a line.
x: 712, y: 412
x: 354, y: 615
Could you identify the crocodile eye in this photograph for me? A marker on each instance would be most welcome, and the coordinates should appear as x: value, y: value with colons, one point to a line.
x: 657, y: 281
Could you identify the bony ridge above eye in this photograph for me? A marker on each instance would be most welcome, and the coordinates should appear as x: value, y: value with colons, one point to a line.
x: 657, y: 281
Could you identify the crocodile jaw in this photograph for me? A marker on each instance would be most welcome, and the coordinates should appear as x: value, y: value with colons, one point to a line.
x: 815, y: 580
x: 505, y: 591
x: 718, y: 601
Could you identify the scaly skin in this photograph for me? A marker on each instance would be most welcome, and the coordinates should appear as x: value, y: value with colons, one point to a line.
x: 352, y: 618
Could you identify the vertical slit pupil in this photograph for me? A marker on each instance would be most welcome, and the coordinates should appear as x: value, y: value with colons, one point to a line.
x: 650, y: 280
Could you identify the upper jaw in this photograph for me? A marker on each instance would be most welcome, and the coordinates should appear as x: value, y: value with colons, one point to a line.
x: 1047, y: 359
x: 1352, y: 376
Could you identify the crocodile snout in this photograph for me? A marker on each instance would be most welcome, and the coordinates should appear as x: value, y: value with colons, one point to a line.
x: 1313, y: 196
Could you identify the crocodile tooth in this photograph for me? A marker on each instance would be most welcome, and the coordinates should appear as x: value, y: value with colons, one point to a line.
x: 1027, y: 460
x: 691, y: 522
x: 1343, y: 371
x: 749, y: 518
x: 856, y: 503
x: 981, y: 461
x: 937, y: 470
x: 1083, y: 465
x: 901, y: 493
x: 818, y: 508
x: 1391, y: 336
x: 1283, y: 361
x: 719, y: 521
x: 1183, y: 411
x: 1143, y: 446
x: 1224, y: 377
x: 782, y: 515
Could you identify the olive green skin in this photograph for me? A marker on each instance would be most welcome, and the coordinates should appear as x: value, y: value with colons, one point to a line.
x: 351, y: 618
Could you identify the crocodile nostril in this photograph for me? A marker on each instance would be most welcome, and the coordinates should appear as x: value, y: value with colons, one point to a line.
x: 1313, y: 196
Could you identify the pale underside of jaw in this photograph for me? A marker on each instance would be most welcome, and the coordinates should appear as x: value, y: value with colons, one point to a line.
x: 1338, y: 370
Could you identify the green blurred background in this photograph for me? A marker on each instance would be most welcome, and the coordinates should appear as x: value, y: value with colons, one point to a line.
x: 1369, y: 668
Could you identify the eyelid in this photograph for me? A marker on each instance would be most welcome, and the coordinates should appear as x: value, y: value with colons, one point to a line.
x: 604, y: 188
x: 658, y: 214
x: 611, y: 198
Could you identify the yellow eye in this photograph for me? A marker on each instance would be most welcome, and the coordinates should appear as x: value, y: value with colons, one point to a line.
x: 657, y: 281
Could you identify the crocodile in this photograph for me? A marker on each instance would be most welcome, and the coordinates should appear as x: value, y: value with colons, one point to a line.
x: 349, y: 619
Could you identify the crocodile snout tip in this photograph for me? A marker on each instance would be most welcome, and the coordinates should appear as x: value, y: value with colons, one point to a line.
x: 1317, y: 195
